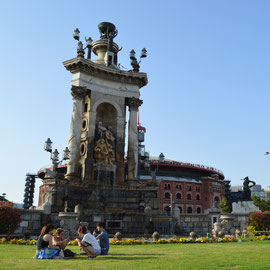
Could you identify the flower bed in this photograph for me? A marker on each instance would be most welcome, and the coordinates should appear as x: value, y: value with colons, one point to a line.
x: 175, y: 240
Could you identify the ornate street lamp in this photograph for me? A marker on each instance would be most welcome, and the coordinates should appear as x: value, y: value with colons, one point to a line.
x: 147, y: 164
x: 133, y: 60
x: 80, y: 48
x: 48, y: 145
x: 55, y: 154
x: 161, y: 158
x: 66, y: 154
x: 76, y: 34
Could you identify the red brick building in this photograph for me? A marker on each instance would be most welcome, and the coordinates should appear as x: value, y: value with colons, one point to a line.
x: 193, y: 188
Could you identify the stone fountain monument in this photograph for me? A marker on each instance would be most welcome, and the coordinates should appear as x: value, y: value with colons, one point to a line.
x: 99, y: 181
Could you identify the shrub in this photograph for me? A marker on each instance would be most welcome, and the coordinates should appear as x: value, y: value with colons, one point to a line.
x: 261, y: 203
x: 261, y: 221
x: 10, y: 218
x: 224, y: 206
x: 251, y: 231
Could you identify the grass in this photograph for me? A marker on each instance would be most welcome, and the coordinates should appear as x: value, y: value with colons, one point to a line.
x: 245, y: 255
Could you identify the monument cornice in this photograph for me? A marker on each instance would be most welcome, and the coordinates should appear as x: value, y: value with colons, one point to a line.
x: 80, y: 64
x: 134, y: 103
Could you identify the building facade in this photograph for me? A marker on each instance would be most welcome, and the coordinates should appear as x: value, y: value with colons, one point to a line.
x: 192, y: 188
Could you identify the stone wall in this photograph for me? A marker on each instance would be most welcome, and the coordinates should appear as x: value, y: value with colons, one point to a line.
x: 200, y: 224
x: 128, y: 223
x: 32, y: 222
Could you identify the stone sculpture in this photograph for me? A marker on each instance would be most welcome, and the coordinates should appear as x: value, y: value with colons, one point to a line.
x: 104, y: 147
x: 246, y: 189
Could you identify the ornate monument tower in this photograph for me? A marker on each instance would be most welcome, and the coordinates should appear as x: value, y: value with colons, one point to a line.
x: 98, y: 180
x: 101, y: 95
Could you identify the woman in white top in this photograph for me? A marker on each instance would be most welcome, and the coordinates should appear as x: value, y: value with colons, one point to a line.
x: 88, y: 243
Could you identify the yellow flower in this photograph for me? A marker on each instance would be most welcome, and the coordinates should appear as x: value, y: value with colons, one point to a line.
x: 181, y: 240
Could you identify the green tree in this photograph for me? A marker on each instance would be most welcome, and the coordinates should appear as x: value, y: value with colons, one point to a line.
x: 261, y: 203
x: 224, y: 205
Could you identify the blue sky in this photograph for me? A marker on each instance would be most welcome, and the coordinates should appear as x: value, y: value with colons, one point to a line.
x: 207, y: 100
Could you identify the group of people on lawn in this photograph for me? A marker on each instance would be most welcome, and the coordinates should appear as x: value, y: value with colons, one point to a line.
x: 54, y: 247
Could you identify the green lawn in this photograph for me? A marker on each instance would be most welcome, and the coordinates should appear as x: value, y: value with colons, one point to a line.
x: 246, y: 255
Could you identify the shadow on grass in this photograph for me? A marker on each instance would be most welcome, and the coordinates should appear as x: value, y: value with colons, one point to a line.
x: 135, y: 254
x: 128, y: 258
x: 123, y: 256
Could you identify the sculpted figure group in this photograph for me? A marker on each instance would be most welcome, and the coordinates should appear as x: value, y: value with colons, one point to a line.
x: 104, y: 147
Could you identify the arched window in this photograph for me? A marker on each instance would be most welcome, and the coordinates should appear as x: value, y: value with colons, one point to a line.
x: 189, y: 196
x: 198, y: 210
x: 216, y: 201
x: 180, y: 209
x: 178, y: 196
x: 167, y: 195
x: 189, y: 210
x: 198, y: 197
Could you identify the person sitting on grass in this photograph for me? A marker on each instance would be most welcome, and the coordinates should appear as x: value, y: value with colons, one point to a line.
x: 62, y: 243
x: 58, y: 239
x: 88, y: 243
x: 45, y: 247
x: 103, y: 238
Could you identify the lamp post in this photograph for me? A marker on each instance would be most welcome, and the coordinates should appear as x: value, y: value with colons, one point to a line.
x: 171, y: 204
x: 55, y: 154
x: 133, y: 60
x: 141, y: 147
x: 80, y: 49
x: 147, y: 164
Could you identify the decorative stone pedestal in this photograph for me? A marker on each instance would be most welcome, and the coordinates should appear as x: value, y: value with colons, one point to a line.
x: 105, y: 174
x: 227, y: 224
x: 69, y: 222
x: 244, y: 207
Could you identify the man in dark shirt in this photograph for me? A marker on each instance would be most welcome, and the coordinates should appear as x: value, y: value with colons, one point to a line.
x: 103, y: 238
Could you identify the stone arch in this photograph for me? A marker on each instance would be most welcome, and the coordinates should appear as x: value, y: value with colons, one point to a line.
x: 106, y: 100
x: 167, y: 195
x: 106, y: 114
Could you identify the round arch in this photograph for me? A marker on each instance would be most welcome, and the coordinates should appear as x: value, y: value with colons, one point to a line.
x: 106, y: 100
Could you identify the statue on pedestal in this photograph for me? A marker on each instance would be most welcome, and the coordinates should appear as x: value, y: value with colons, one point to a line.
x: 246, y: 189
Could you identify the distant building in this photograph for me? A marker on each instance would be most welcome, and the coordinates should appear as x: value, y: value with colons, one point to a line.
x: 192, y: 188
x: 258, y: 191
x: 236, y: 194
x: 236, y: 188
x: 267, y: 193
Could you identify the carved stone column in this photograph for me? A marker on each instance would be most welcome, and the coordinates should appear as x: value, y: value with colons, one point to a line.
x: 78, y: 94
x: 132, y: 156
